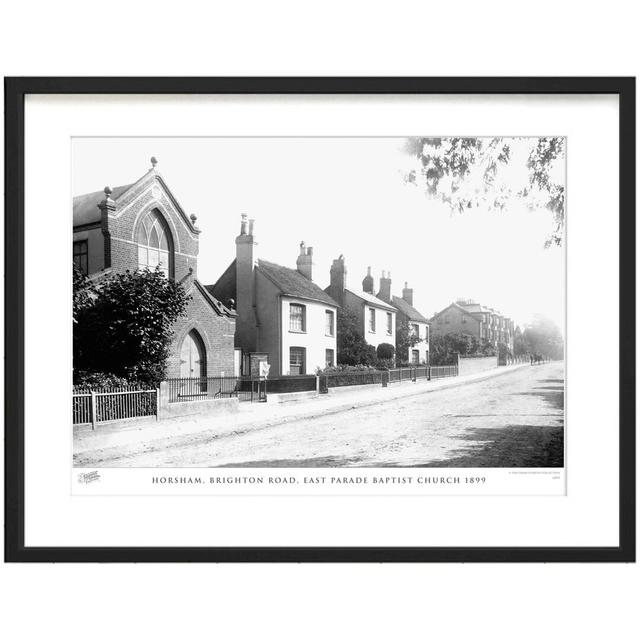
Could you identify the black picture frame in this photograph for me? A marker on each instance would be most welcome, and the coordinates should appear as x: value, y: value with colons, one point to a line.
x: 15, y: 91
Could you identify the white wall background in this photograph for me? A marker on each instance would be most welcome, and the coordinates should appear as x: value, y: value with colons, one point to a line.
x: 332, y: 38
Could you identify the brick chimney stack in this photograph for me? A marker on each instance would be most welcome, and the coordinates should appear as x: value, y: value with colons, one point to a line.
x: 305, y: 261
x: 407, y: 294
x: 337, y: 280
x: 385, y: 287
x: 246, y: 259
x: 367, y: 282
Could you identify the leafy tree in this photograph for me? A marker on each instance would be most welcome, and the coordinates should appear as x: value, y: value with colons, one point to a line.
x: 519, y: 343
x: 352, y: 347
x: 84, y: 292
x: 443, y: 349
x: 406, y: 339
x: 126, y: 328
x: 468, y: 172
x: 484, y: 348
x: 543, y: 336
x: 504, y: 353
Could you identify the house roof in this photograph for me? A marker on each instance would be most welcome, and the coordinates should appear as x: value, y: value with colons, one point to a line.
x: 217, y: 306
x: 478, y: 308
x: 371, y: 300
x: 456, y: 306
x: 473, y: 307
x: 405, y: 308
x: 289, y: 281
x: 85, y: 206
x: 224, y: 288
x: 292, y: 283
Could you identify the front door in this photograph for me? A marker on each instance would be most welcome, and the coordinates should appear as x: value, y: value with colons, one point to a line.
x: 192, y: 361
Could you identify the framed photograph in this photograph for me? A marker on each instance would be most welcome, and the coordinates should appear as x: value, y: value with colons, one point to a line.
x: 320, y: 319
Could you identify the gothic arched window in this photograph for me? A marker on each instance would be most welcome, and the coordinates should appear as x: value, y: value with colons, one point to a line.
x: 155, y: 245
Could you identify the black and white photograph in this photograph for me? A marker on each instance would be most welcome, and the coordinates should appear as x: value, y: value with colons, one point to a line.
x: 319, y: 303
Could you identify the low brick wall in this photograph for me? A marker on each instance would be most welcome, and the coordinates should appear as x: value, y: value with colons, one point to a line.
x: 168, y: 409
x: 475, y: 365
x: 297, y: 396
x: 291, y: 384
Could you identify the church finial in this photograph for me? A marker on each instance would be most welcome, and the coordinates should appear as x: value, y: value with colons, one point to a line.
x: 108, y: 191
x: 193, y: 217
x: 154, y: 162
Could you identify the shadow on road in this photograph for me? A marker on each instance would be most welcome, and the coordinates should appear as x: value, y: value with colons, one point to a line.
x: 512, y: 446
x: 516, y: 445
x: 319, y: 462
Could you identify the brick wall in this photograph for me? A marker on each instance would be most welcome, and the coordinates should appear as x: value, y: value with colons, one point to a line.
x: 123, y: 222
x: 455, y: 321
x: 217, y: 333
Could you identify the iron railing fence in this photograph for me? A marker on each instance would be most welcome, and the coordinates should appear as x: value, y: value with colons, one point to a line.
x: 444, y: 371
x: 104, y: 404
x: 383, y: 377
x: 215, y: 388
x: 401, y: 374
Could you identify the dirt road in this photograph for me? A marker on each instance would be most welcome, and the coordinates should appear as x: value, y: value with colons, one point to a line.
x: 512, y: 420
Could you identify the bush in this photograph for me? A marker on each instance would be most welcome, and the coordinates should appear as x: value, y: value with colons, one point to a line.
x: 98, y: 379
x: 386, y: 351
x: 352, y: 347
x: 124, y: 325
x: 345, y: 368
x: 345, y: 376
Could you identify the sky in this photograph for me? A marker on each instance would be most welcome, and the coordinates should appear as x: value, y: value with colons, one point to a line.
x: 343, y: 196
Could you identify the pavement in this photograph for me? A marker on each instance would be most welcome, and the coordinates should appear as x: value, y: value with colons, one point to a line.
x: 508, y: 416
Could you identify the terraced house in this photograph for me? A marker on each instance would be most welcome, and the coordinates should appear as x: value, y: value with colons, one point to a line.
x: 376, y: 317
x: 418, y: 325
x: 467, y: 316
x: 284, y: 318
x: 142, y: 226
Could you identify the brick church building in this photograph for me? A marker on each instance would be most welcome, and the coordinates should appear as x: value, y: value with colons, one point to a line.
x: 141, y: 225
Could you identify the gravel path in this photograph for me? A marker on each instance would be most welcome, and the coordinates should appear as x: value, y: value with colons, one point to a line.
x: 513, y: 420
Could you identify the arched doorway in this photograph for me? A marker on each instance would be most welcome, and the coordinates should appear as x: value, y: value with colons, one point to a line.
x: 193, y: 357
